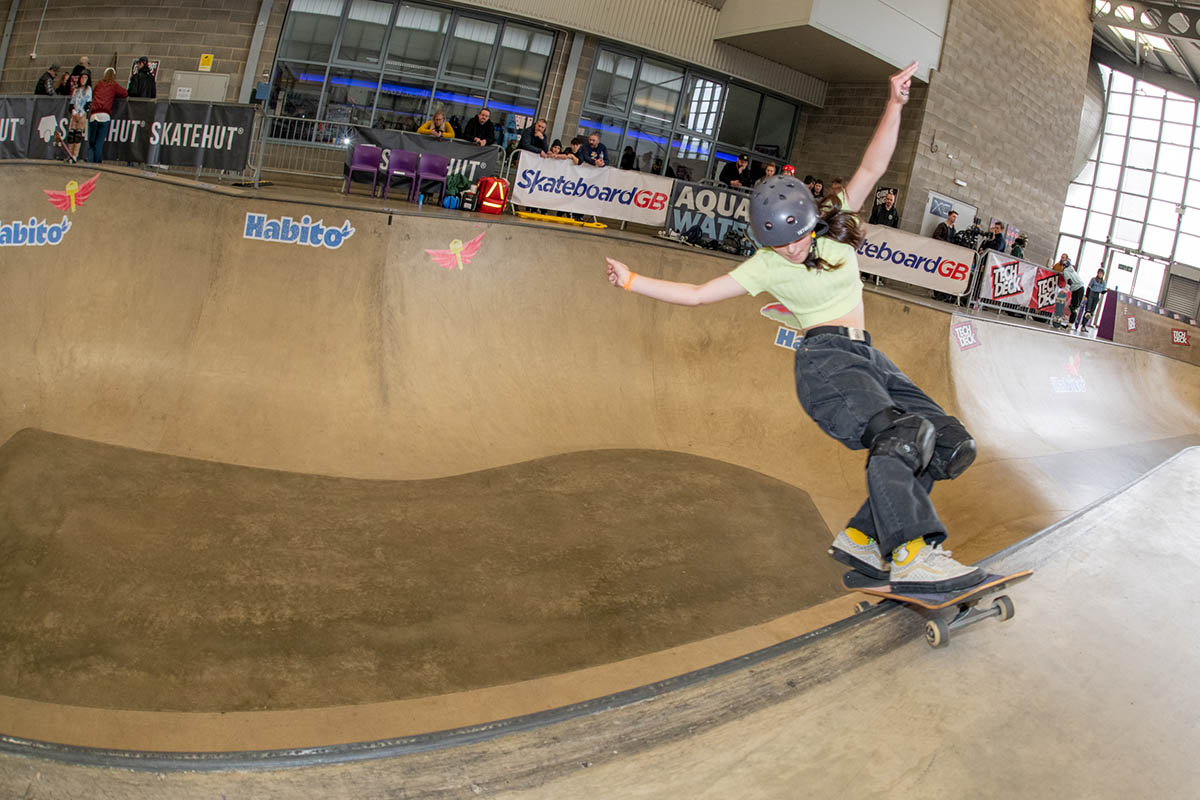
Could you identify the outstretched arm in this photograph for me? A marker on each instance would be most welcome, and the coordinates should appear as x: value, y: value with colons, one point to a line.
x: 683, y: 294
x: 883, y: 143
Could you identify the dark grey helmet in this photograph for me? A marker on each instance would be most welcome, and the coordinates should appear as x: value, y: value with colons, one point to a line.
x: 783, y: 210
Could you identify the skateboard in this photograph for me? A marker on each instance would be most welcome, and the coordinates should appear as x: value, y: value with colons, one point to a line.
x: 58, y: 140
x: 937, y: 627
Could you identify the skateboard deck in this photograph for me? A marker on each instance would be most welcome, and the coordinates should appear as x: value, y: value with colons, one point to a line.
x: 937, y: 629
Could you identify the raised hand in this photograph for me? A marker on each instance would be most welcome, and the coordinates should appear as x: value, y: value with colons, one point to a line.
x: 901, y: 84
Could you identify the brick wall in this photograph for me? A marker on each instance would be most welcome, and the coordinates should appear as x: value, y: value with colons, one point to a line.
x: 831, y: 140
x: 1006, y: 104
x: 175, y: 32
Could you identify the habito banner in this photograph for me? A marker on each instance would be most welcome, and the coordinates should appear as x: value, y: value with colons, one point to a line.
x: 600, y: 191
x: 918, y: 260
x: 1008, y: 279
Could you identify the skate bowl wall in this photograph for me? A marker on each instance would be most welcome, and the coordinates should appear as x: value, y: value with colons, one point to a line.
x: 156, y: 324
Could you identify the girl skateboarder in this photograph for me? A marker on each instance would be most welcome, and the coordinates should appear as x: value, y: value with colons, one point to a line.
x: 850, y: 389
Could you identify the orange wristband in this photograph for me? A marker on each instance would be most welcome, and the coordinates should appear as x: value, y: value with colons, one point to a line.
x: 629, y: 281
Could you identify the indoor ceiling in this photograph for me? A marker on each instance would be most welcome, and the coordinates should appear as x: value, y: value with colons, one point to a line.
x: 1159, y: 36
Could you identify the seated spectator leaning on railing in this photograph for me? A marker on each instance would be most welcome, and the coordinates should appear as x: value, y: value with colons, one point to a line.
x: 768, y: 172
x: 574, y: 151
x: 480, y: 130
x: 734, y: 173
x: 437, y: 127
x: 594, y: 152
x: 45, y: 84
x: 533, y: 139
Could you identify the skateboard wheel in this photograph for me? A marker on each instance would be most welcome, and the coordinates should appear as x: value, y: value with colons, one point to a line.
x: 861, y: 606
x: 937, y: 633
x: 1005, y: 607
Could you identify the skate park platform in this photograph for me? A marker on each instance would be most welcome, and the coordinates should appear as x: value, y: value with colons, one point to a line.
x: 261, y: 497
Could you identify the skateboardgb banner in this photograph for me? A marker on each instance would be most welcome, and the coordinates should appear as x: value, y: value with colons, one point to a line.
x: 208, y: 135
x: 917, y: 260
x: 600, y: 191
x: 1008, y: 279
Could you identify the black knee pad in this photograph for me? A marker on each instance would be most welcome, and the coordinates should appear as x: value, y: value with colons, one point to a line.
x: 954, y: 450
x: 74, y: 136
x: 909, y: 437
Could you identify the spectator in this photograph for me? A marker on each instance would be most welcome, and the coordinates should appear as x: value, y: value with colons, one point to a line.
x: 480, y: 129
x: 808, y: 181
x: 437, y: 126
x: 788, y: 169
x: 594, y: 152
x: 69, y: 85
x: 995, y: 239
x: 1095, y: 292
x: 1018, y: 246
x: 81, y: 101
x: 555, y: 150
x: 818, y: 188
x: 836, y: 187
x: 533, y: 139
x: 45, y: 84
x: 574, y: 153
x: 733, y: 175
x: 1059, y: 318
x: 885, y: 213
x: 945, y: 230
x: 1063, y: 262
x: 629, y: 158
x: 100, y: 116
x: 142, y: 83
x: 768, y: 172
x: 1076, y: 286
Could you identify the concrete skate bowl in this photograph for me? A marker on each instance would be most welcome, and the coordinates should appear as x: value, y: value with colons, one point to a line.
x: 265, y: 496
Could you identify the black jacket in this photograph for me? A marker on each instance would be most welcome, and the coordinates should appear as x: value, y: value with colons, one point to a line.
x: 944, y: 232
x: 882, y: 215
x: 486, y: 131
x: 532, y: 143
x: 142, y: 84
x: 45, y: 84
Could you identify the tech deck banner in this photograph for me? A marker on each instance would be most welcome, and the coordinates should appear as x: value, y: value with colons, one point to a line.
x: 1007, y: 279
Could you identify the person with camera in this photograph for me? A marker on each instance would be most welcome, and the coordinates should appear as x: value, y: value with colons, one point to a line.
x: 807, y: 259
x: 995, y: 238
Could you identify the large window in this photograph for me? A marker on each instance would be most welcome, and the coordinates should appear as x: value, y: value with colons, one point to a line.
x: 660, y: 117
x: 390, y: 63
x: 1135, y: 207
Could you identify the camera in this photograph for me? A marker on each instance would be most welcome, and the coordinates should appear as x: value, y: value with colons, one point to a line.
x: 969, y: 237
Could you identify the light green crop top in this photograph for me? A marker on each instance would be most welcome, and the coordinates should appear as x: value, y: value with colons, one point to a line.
x: 812, y: 295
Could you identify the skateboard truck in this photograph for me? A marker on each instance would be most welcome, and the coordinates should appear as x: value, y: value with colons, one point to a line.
x: 966, y: 603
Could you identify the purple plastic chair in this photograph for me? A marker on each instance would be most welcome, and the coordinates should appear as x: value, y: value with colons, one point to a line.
x: 366, y: 158
x: 430, y: 167
x: 402, y: 163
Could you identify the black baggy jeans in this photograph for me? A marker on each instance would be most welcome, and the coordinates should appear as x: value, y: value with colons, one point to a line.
x: 842, y: 383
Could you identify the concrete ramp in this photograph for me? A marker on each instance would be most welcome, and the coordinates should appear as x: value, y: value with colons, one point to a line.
x: 371, y: 414
x: 1083, y: 694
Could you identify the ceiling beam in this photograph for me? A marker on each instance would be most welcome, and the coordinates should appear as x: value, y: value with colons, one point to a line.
x: 1166, y: 20
x: 1173, y: 83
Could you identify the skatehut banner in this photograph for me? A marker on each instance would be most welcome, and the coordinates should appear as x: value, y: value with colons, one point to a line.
x: 601, y: 191
x: 470, y: 160
x: 715, y: 210
x: 209, y: 135
x: 1008, y: 279
x: 917, y: 260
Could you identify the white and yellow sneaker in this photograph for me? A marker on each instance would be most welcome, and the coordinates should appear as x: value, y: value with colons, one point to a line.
x: 860, y: 552
x: 921, y: 567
